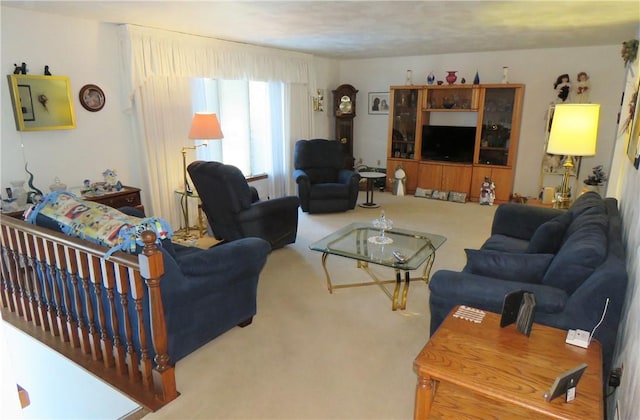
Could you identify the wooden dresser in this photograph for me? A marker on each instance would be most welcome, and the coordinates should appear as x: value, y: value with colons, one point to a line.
x: 126, y: 197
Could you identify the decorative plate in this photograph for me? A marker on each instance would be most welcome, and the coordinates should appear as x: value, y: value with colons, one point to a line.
x: 92, y: 98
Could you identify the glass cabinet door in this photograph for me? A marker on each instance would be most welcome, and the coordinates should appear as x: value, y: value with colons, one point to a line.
x: 404, y: 114
x: 497, y: 119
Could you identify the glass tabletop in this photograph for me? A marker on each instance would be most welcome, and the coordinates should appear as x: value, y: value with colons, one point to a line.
x: 359, y: 241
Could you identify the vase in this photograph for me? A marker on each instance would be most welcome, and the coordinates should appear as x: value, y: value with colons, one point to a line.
x: 476, y: 79
x: 505, y: 74
x: 431, y: 78
x: 409, y: 80
x: 19, y: 193
x: 451, y: 77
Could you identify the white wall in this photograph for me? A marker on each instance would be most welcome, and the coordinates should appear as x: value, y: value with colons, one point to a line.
x: 537, y: 69
x: 87, y: 52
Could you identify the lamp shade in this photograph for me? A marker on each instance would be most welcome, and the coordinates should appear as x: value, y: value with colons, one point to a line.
x: 205, y: 126
x: 574, y: 130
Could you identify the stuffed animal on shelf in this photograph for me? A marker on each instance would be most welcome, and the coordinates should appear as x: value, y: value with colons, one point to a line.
x: 487, y: 192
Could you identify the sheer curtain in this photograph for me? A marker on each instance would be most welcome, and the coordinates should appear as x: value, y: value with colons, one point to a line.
x: 158, y: 66
x: 252, y: 118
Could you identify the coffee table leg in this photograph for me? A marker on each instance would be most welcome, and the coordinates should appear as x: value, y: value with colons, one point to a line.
x: 405, y: 291
x: 396, y: 291
x: 326, y: 272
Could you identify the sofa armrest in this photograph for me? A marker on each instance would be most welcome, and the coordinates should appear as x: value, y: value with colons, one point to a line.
x: 519, y: 220
x: 200, y: 271
x: 346, y: 176
x: 487, y: 293
x: 301, y: 177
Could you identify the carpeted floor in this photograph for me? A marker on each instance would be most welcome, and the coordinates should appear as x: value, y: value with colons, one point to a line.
x: 314, y: 355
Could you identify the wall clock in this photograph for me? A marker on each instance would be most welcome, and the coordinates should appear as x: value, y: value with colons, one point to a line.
x: 92, y: 98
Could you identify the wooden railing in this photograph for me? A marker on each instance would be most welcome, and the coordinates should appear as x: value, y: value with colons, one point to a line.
x: 105, y: 315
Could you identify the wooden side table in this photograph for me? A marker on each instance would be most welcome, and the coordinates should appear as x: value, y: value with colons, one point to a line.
x: 477, y: 370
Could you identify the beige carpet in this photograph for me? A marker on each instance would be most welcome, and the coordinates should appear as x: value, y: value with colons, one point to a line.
x: 314, y: 355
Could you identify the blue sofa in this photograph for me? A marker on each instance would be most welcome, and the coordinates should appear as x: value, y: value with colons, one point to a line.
x: 205, y: 292
x: 571, y: 260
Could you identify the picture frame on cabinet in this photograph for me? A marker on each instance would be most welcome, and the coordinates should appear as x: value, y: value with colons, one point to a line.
x: 378, y: 103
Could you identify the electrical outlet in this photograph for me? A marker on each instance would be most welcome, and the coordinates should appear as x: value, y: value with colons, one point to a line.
x: 614, y: 377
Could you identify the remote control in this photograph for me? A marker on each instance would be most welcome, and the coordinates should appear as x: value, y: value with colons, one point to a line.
x: 398, y: 256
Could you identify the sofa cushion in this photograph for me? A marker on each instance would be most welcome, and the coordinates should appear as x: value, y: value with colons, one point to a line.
x: 499, y: 242
x: 512, y: 266
x: 547, y: 239
x: 584, y: 249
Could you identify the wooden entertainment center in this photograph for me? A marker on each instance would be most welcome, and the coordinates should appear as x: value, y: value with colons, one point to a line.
x: 459, y: 160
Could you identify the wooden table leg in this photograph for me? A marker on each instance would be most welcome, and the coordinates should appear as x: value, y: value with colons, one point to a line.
x: 425, y: 390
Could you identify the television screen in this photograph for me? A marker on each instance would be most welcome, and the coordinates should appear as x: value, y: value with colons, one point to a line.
x: 448, y: 143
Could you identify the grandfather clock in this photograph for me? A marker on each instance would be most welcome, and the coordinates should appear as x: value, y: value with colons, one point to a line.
x: 344, y: 109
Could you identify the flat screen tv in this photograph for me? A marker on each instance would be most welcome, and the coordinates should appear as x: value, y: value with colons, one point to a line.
x: 448, y: 143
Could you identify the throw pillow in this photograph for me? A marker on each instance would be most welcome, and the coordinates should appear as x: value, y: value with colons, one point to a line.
x: 520, y: 267
x: 548, y: 238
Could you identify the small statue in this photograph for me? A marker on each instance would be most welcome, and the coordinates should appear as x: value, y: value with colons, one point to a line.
x: 46, y: 71
x: 487, y: 192
x: 399, y: 181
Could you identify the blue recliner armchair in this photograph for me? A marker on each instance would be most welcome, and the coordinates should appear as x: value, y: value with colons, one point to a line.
x: 234, y: 209
x: 324, y: 185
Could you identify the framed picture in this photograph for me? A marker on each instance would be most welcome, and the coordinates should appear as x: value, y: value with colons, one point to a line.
x: 633, y: 126
x: 566, y: 384
x: 41, y: 102
x: 378, y: 103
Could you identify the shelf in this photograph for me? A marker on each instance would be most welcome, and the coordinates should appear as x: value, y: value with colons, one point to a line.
x: 450, y: 109
x: 492, y: 148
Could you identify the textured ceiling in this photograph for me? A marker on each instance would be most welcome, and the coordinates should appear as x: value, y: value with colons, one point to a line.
x: 366, y: 29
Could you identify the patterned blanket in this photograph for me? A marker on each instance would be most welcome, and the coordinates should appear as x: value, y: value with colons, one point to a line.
x: 98, y: 223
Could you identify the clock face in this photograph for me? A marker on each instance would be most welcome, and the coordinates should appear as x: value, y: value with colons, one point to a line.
x: 346, y: 107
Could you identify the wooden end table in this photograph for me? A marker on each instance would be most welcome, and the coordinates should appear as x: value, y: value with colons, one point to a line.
x: 478, y: 370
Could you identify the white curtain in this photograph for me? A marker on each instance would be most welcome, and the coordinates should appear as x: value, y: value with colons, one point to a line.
x: 157, y: 66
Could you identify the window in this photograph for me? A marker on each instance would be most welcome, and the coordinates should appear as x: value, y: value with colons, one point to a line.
x: 251, y: 117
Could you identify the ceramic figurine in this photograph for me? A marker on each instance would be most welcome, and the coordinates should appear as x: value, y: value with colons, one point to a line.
x: 476, y: 79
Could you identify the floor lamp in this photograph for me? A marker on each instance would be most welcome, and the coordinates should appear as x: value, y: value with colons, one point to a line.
x: 204, y: 126
x: 574, y: 131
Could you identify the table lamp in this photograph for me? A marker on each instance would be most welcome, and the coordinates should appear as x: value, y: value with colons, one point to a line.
x: 574, y: 131
x: 204, y: 126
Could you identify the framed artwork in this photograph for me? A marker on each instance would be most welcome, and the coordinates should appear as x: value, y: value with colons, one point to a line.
x: 378, y: 103
x: 41, y: 102
x: 92, y: 98
x: 633, y: 127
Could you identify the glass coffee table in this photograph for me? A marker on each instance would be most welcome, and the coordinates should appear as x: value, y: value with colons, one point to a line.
x: 400, y: 249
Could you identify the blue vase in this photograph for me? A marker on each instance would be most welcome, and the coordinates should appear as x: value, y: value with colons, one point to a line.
x: 476, y: 79
x: 431, y: 78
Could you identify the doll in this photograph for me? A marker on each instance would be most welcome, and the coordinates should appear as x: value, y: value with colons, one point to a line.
x: 487, y: 192
x: 582, y: 90
x: 562, y: 87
